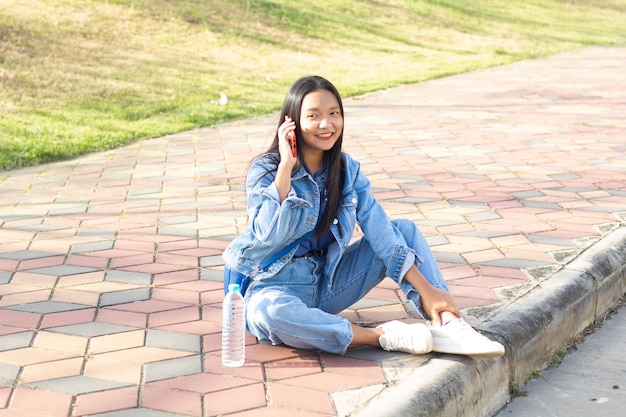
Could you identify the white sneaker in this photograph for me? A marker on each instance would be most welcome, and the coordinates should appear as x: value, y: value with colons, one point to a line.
x: 460, y: 338
x: 402, y: 337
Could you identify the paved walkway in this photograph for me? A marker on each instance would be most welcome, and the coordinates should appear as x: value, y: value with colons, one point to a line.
x: 110, y: 266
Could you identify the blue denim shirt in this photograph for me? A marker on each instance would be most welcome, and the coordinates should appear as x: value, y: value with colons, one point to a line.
x: 273, y: 225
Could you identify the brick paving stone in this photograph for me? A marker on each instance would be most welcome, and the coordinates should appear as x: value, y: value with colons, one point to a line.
x: 67, y: 318
x: 150, y: 306
x: 170, y: 340
x: 292, y: 367
x: 15, y: 338
x: 197, y: 327
x: 36, y: 263
x: 195, y: 286
x: 212, y: 312
x: 61, y: 270
x: 74, y: 296
x: 127, y: 364
x: 74, y: 385
x: 212, y: 342
x: 29, y: 356
x: 277, y: 412
x: 383, y: 313
x: 268, y: 353
x: 154, y: 268
x: 92, y: 329
x: 19, y: 297
x: 170, y: 368
x: 331, y: 382
x: 117, y: 341
x: 120, y: 252
x: 344, y: 365
x: 46, y: 307
x: 79, y: 280
x: 60, y: 342
x: 92, y: 246
x: 27, y: 254
x: 215, y: 296
x: 105, y: 401
x: 109, y: 298
x: 136, y: 412
x: 299, y: 398
x: 101, y: 367
x: 175, y: 401
x: 484, y: 281
x: 129, y: 277
x: 374, y: 301
x: 247, y: 397
x: 134, y: 260
x: 104, y: 287
x: 40, y: 402
x: 37, y: 280
x: 203, y: 383
x: 176, y: 296
x: 24, y: 320
x: 165, y: 278
x: 51, y: 370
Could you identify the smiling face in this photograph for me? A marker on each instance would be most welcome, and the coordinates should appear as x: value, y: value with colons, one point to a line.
x: 321, y: 123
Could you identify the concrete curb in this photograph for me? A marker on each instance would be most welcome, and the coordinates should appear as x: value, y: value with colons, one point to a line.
x: 533, y: 328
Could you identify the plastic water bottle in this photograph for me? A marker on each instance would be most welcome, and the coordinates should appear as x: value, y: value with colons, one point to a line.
x: 233, y: 328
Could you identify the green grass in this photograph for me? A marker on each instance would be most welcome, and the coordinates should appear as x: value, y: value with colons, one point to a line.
x: 85, y: 76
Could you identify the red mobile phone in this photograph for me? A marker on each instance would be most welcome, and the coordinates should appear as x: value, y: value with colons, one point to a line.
x: 292, y: 140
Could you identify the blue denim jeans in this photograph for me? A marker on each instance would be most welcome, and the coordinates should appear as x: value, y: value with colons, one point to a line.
x: 298, y: 306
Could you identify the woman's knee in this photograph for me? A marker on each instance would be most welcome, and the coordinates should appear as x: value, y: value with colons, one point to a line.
x: 267, y: 309
x: 405, y: 226
x: 409, y: 231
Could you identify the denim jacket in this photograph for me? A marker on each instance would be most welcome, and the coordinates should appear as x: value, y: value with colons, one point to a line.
x: 273, y: 225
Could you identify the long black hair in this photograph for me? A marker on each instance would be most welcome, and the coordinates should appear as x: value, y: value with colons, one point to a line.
x: 292, y: 107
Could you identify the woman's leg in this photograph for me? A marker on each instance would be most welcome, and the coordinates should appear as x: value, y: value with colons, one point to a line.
x: 360, y: 270
x: 426, y: 263
x: 282, y: 310
x: 281, y: 318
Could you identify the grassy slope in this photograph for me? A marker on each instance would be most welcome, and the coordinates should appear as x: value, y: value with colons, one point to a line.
x: 80, y: 76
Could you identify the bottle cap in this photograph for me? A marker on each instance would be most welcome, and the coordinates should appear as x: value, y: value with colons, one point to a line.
x: 233, y: 287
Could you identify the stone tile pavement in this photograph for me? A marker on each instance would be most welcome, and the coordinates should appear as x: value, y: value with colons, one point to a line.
x: 110, y: 265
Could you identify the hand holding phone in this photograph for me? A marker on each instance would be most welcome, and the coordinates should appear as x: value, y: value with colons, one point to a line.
x: 291, y: 137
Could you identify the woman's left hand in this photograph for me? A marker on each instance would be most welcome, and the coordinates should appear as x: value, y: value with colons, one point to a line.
x: 286, y: 128
x: 436, y: 302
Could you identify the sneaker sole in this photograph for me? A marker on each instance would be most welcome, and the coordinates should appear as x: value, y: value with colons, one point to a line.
x: 441, y: 346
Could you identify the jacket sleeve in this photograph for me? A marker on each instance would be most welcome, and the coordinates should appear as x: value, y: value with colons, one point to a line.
x: 272, y: 222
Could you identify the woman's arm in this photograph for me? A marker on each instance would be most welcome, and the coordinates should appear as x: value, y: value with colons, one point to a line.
x: 268, y: 185
x: 287, y: 159
x: 438, y: 304
x: 283, y: 180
